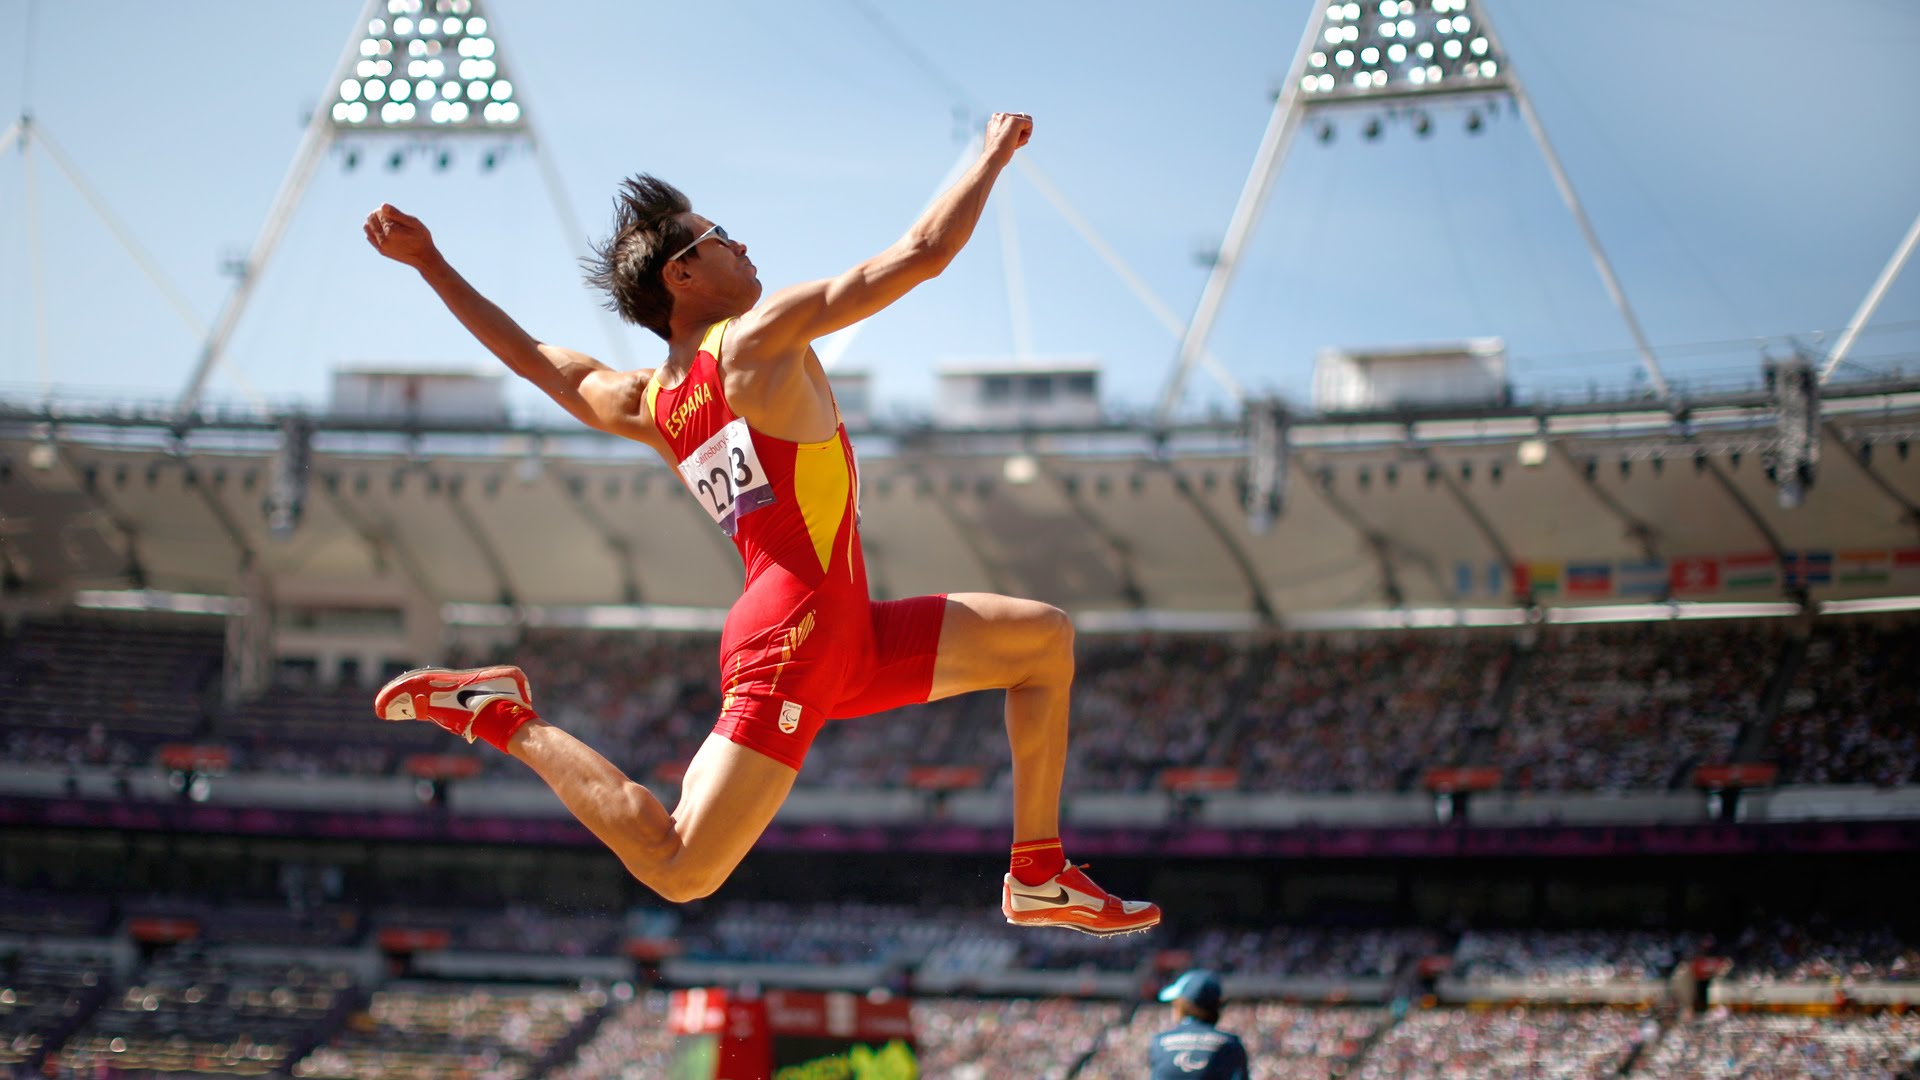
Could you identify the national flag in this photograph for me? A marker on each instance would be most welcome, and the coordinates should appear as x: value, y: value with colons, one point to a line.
x: 1497, y: 576
x: 1693, y: 575
x: 1644, y: 577
x: 1750, y: 570
x: 1806, y: 568
x: 1862, y: 567
x: 1589, y: 580
x: 1538, y: 578
x: 1906, y: 565
x: 1463, y: 579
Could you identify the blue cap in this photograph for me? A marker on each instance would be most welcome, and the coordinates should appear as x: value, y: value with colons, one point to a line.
x: 1199, y: 986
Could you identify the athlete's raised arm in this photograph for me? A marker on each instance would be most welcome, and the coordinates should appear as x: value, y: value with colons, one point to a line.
x: 797, y: 315
x: 595, y: 394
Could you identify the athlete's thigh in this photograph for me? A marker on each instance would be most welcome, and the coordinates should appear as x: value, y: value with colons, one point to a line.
x: 727, y: 797
x: 990, y: 642
x: 906, y: 642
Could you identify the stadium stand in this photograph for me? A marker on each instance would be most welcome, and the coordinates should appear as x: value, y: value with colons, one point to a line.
x: 1468, y: 1044
x: 631, y: 1044
x: 984, y: 1040
x: 412, y: 1031
x: 207, y: 1016
x: 1284, y: 1042
x: 1582, y: 709
x: 1618, y: 708
x: 1849, y: 717
x: 1567, y: 958
x: 1722, y: 1044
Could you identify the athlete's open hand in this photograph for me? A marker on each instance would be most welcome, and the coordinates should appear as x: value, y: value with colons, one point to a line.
x: 1007, y: 132
x: 400, y: 237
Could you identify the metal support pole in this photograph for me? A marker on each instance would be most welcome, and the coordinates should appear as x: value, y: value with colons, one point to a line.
x: 1872, y: 302
x: 1246, y: 214
x: 1592, y: 238
x: 313, y: 146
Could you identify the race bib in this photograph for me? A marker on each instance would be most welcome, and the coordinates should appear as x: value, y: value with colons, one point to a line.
x: 725, y: 474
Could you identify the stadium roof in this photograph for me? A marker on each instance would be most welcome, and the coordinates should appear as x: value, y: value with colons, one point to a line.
x: 1381, y: 512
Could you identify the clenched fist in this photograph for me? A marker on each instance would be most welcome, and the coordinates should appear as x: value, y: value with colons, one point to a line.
x: 400, y: 237
x: 1007, y: 132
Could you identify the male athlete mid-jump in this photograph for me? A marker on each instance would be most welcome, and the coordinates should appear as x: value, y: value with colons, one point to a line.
x: 741, y: 406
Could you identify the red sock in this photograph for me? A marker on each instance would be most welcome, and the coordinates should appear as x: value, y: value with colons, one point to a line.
x: 498, y: 719
x: 1035, y: 861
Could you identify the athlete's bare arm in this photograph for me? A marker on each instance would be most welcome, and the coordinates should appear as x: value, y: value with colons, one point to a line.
x: 781, y: 326
x: 594, y: 393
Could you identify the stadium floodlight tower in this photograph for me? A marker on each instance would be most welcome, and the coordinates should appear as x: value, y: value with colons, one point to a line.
x: 1392, y: 54
x: 414, y: 71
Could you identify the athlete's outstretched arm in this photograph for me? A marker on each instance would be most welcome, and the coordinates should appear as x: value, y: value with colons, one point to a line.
x: 797, y: 315
x: 595, y: 394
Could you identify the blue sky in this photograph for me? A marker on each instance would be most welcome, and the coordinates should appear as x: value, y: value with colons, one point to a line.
x: 1750, y: 165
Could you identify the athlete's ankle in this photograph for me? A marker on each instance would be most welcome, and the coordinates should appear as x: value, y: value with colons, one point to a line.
x: 1034, y: 861
x: 499, y: 720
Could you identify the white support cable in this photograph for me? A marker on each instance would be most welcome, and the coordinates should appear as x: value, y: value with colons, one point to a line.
x: 1872, y: 301
x: 175, y: 299
x: 36, y: 265
x: 1274, y: 144
x: 313, y: 146
x: 1599, y: 254
x: 1017, y: 312
x: 1135, y: 284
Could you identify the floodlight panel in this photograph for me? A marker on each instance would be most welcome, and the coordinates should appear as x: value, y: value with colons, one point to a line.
x: 426, y: 66
x: 1401, y: 49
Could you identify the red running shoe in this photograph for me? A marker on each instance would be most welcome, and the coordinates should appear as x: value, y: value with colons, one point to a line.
x: 450, y: 697
x: 1071, y: 899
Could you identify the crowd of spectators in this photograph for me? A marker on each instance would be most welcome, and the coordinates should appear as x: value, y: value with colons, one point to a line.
x: 1632, y: 707
x: 206, y: 1015
x: 1610, y: 708
x: 1850, y: 717
x: 1284, y: 1042
x: 1312, y: 952
x: 1365, y: 714
x: 1569, y: 957
x: 1800, y: 951
x: 988, y: 1040
x: 1723, y: 1045
x: 1494, y: 1044
x: 422, y: 1032
x: 632, y: 1043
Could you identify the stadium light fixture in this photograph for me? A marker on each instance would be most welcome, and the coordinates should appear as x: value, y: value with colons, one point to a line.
x: 425, y: 66
x: 1396, y: 50
x: 1385, y: 55
x: 423, y: 69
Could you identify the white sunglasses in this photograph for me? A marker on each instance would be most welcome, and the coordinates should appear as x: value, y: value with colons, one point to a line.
x: 715, y: 231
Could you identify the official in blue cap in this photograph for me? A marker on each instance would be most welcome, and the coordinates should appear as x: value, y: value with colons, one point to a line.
x: 1194, y: 1048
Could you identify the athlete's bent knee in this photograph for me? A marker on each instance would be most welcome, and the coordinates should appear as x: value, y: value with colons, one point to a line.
x: 680, y: 884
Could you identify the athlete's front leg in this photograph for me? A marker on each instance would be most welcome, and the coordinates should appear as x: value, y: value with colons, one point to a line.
x: 727, y: 797
x: 990, y: 642
x: 1026, y: 647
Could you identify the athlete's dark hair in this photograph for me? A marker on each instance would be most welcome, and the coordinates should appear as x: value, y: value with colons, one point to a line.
x: 1183, y: 1007
x: 627, y: 265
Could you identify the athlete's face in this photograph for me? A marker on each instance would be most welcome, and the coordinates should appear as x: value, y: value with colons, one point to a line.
x: 716, y: 267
